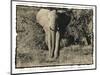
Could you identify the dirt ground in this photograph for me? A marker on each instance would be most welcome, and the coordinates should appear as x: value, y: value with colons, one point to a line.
x: 31, y: 50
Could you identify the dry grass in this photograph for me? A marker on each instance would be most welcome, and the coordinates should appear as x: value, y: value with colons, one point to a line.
x: 73, y: 55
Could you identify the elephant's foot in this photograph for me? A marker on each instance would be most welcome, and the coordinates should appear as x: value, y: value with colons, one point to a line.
x: 51, y: 54
x: 49, y: 59
x: 56, y: 56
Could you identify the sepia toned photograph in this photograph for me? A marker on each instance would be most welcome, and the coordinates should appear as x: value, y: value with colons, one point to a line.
x: 53, y: 35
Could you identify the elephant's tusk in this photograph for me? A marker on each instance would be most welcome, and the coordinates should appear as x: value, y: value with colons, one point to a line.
x: 57, y: 29
x: 52, y: 29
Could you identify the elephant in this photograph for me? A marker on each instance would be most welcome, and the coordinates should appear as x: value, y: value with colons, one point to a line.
x: 54, y: 23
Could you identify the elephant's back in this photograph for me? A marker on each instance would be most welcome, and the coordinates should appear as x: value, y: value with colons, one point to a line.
x: 42, y: 16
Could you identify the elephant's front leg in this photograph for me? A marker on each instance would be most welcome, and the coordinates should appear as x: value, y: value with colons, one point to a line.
x: 49, y: 43
x: 57, y: 44
x: 52, y: 42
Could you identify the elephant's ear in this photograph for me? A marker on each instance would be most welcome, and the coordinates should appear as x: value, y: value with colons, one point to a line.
x: 68, y: 18
x: 51, y: 18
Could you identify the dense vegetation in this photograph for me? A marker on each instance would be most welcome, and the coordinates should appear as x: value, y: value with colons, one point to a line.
x: 78, y: 31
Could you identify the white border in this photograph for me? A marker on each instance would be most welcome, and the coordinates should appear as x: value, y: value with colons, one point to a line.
x: 47, y: 69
